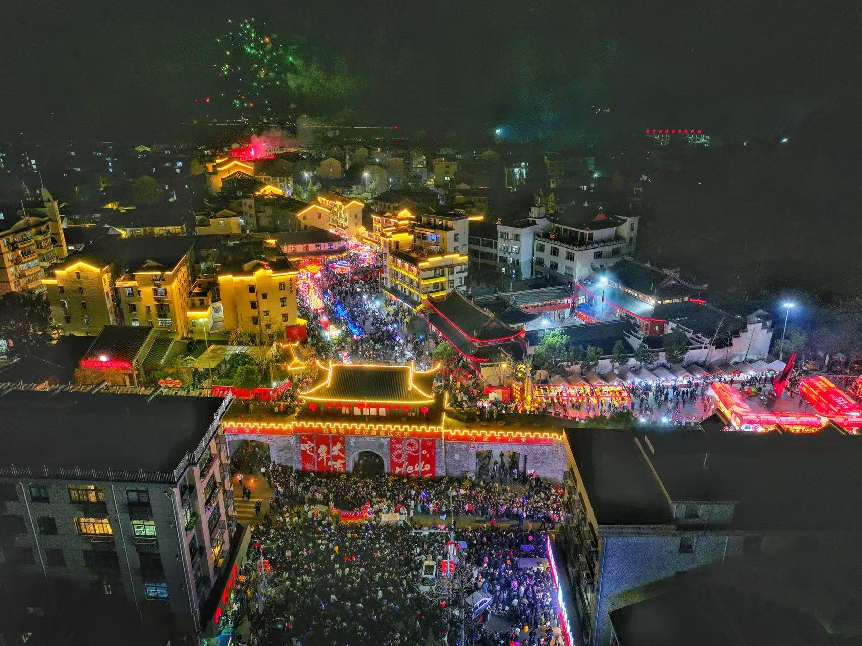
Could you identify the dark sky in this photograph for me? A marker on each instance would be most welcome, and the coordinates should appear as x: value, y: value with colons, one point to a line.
x: 109, y: 67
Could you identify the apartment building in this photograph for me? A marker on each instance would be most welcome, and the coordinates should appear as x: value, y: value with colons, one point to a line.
x: 515, y: 245
x: 137, y: 510
x: 31, y: 240
x: 413, y: 276
x: 345, y: 214
x: 644, y: 509
x: 442, y: 232
x: 574, y: 251
x: 156, y: 292
x: 259, y: 298
x: 81, y: 295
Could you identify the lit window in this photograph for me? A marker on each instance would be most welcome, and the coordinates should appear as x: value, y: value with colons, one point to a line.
x: 156, y: 591
x: 94, y: 526
x: 86, y: 493
x: 144, y: 527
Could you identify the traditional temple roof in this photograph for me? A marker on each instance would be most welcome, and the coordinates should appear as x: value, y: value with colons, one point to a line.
x: 475, y: 323
x: 372, y: 383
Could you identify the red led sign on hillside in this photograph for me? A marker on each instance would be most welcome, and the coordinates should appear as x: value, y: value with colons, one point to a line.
x: 674, y: 131
x: 104, y: 363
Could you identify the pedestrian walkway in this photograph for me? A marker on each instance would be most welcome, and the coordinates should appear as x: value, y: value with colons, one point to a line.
x: 260, y: 490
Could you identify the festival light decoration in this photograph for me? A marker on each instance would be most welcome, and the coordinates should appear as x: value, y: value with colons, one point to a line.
x: 565, y: 628
x: 831, y: 401
x: 731, y: 403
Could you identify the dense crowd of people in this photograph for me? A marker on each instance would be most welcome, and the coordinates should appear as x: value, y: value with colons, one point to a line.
x: 312, y: 578
x: 372, y: 328
x: 534, y: 500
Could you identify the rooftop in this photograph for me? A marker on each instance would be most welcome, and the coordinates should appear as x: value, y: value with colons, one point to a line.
x: 650, y: 280
x: 473, y: 321
x: 614, y: 296
x: 372, y: 383
x: 621, y: 488
x: 701, y: 318
x: 600, y: 335
x: 101, y: 431
x: 118, y: 343
x: 306, y: 236
x: 711, y: 615
x: 533, y: 297
x: 780, y: 481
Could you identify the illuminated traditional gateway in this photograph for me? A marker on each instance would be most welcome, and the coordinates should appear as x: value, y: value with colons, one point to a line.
x: 394, y: 413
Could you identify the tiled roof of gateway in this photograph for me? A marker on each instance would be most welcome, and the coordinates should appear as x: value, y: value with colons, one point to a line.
x: 379, y: 384
x: 473, y: 321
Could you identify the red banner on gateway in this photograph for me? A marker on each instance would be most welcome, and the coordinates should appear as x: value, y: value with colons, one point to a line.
x: 412, y: 457
x: 322, y: 453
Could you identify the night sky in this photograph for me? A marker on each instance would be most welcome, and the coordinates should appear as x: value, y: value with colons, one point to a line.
x: 535, y: 67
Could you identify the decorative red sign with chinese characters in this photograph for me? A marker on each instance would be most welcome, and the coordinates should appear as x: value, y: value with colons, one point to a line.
x: 322, y: 453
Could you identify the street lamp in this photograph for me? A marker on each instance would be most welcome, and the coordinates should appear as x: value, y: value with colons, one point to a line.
x: 787, y: 307
x: 603, y: 281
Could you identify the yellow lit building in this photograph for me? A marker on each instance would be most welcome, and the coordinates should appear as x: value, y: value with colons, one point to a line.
x: 314, y: 215
x: 157, y: 294
x: 206, y: 313
x: 345, y: 214
x: 81, y: 295
x: 225, y: 167
x: 224, y: 222
x: 29, y: 244
x: 259, y: 299
x: 414, y: 275
x: 392, y: 230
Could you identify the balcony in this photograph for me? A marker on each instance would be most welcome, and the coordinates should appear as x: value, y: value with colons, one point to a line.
x: 192, y: 522
x: 98, y: 538
x: 218, y: 530
x: 577, y: 242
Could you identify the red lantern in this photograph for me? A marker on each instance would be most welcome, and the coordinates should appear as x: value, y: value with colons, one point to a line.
x: 388, y: 406
x: 313, y: 407
x: 329, y: 404
x: 406, y: 408
x: 424, y: 409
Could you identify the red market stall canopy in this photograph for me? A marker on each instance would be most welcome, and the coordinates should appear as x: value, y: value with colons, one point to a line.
x: 737, y: 410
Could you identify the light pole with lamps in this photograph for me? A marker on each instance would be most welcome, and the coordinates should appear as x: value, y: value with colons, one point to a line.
x: 787, y: 307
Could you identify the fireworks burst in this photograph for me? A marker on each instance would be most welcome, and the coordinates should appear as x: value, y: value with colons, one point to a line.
x: 256, y: 70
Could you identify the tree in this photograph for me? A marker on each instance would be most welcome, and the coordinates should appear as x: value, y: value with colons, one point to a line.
x: 197, y: 167
x: 240, y: 184
x: 553, y: 346
x: 591, y: 359
x: 445, y: 353
x: 618, y: 353
x: 795, y: 340
x: 676, y: 346
x: 25, y: 322
x: 645, y: 355
x: 247, y: 376
x: 146, y: 191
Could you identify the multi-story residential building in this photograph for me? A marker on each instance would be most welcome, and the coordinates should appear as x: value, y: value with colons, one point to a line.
x: 392, y: 230
x: 574, y: 251
x: 206, y: 312
x: 81, y: 294
x: 148, y: 222
x: 29, y: 243
x: 138, y: 509
x: 515, y: 174
x: 643, y: 509
x: 345, y: 214
x: 568, y: 170
x: 444, y: 171
x: 156, y: 292
x: 515, y: 245
x: 259, y: 298
x: 482, y: 244
x: 442, y: 232
x: 414, y: 275
x: 223, y: 222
